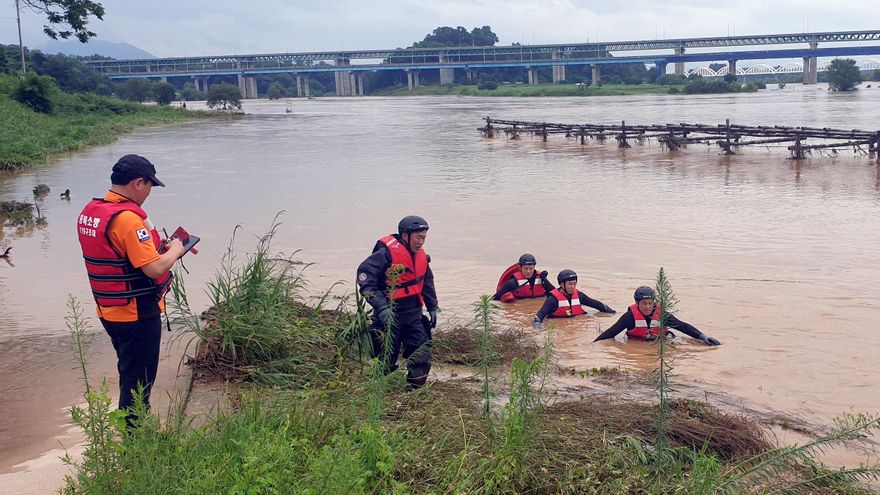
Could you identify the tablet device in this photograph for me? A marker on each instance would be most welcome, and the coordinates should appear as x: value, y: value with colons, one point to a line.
x: 188, y: 240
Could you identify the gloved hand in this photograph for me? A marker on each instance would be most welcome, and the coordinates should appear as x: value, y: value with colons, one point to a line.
x: 537, y: 323
x: 609, y: 310
x: 709, y: 340
x: 386, y: 316
x: 544, y: 274
x: 432, y: 315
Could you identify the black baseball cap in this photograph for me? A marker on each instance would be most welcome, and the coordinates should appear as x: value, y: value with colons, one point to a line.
x: 137, y: 166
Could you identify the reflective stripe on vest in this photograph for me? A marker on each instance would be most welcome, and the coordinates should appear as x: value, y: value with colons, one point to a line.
x: 113, y: 280
x: 642, y: 330
x: 525, y: 290
x: 566, y: 308
x: 406, y: 275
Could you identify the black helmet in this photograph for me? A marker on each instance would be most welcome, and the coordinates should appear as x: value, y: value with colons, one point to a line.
x: 566, y: 275
x: 643, y: 292
x: 527, y: 259
x: 412, y: 223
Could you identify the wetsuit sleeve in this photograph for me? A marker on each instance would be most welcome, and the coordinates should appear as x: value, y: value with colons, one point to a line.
x: 371, y: 278
x: 625, y: 322
x: 508, y: 286
x: 429, y: 293
x: 548, y: 285
x: 550, y: 305
x: 594, y: 303
x: 687, y: 328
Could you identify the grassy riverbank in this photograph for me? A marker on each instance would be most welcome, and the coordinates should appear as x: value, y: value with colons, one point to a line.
x: 28, y: 138
x: 313, y: 415
x: 532, y: 90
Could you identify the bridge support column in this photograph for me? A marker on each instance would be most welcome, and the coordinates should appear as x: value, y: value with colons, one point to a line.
x: 731, y: 67
x: 558, y: 70
x: 242, y: 86
x: 814, y: 65
x: 470, y: 75
x: 343, y: 78
x: 409, y: 80
x: 360, y: 84
x: 252, y: 87
x: 679, y: 66
x: 299, y: 89
x: 532, y: 79
x: 447, y: 76
x: 661, y: 68
x: 595, y: 73
x: 306, y: 84
x: 416, y: 78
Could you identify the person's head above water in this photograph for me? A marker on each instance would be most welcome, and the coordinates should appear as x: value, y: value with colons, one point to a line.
x: 567, y: 281
x: 527, y: 264
x: 644, y: 297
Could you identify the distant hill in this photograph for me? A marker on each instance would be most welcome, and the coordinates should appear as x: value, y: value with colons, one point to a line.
x: 100, y: 47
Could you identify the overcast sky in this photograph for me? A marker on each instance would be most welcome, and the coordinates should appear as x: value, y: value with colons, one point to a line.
x: 168, y: 28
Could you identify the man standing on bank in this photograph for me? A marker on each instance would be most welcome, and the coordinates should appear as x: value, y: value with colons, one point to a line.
x: 399, y: 270
x: 127, y: 273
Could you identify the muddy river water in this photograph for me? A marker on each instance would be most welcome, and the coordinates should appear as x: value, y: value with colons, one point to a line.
x: 775, y: 258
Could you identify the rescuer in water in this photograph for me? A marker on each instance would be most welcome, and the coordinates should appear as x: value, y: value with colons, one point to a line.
x: 567, y: 301
x: 642, y: 321
x: 398, y: 275
x: 522, y: 280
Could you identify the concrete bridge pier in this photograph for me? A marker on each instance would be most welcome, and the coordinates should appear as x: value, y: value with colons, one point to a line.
x: 251, y: 83
x: 594, y: 69
x: 558, y: 70
x: 306, y: 84
x: 201, y: 83
x: 299, y: 88
x: 811, y: 67
x: 343, y: 78
x: 360, y: 85
x: 447, y: 76
x: 731, y: 67
x: 661, y: 68
x: 242, y: 86
x: 679, y: 66
x: 532, y: 76
x: 412, y: 79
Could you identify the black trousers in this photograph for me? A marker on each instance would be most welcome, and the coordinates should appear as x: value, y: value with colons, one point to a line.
x: 137, y: 349
x: 411, y: 333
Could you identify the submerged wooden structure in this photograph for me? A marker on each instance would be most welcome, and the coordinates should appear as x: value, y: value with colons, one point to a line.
x: 727, y: 136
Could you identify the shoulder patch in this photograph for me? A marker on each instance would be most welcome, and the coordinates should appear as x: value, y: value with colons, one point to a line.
x: 143, y: 235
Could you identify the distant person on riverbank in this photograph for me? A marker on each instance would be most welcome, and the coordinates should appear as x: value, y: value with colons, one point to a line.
x: 522, y: 281
x: 567, y: 301
x: 398, y: 274
x: 127, y: 274
x: 642, y: 321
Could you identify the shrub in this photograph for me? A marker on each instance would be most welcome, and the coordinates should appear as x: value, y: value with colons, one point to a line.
x: 165, y: 93
x: 35, y: 92
x: 488, y: 84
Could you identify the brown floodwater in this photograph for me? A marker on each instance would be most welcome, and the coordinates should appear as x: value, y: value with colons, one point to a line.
x: 775, y: 258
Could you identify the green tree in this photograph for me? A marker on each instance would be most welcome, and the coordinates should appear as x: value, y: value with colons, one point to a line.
x: 190, y: 93
x: 67, y: 17
x: 137, y: 89
x: 458, y: 36
x: 276, y: 90
x: 35, y: 92
x: 224, y: 95
x: 843, y: 74
x: 165, y: 93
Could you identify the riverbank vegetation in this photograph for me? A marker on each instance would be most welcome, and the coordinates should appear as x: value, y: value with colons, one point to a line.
x: 313, y: 414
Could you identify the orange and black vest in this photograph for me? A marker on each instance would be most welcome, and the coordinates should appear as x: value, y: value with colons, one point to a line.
x: 406, y: 275
x: 644, y: 330
x: 525, y: 290
x: 567, y: 307
x: 113, y: 279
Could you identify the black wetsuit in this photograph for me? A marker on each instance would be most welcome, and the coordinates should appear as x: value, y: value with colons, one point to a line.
x: 627, y: 322
x: 513, y: 284
x: 551, y: 305
x: 409, y: 329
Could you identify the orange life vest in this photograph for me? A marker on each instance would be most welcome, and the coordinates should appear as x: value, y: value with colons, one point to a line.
x: 406, y: 275
x: 642, y: 329
x: 114, y: 281
x: 525, y: 290
x: 567, y: 308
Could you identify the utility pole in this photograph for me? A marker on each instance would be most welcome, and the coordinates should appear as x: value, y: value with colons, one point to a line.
x: 20, y: 44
